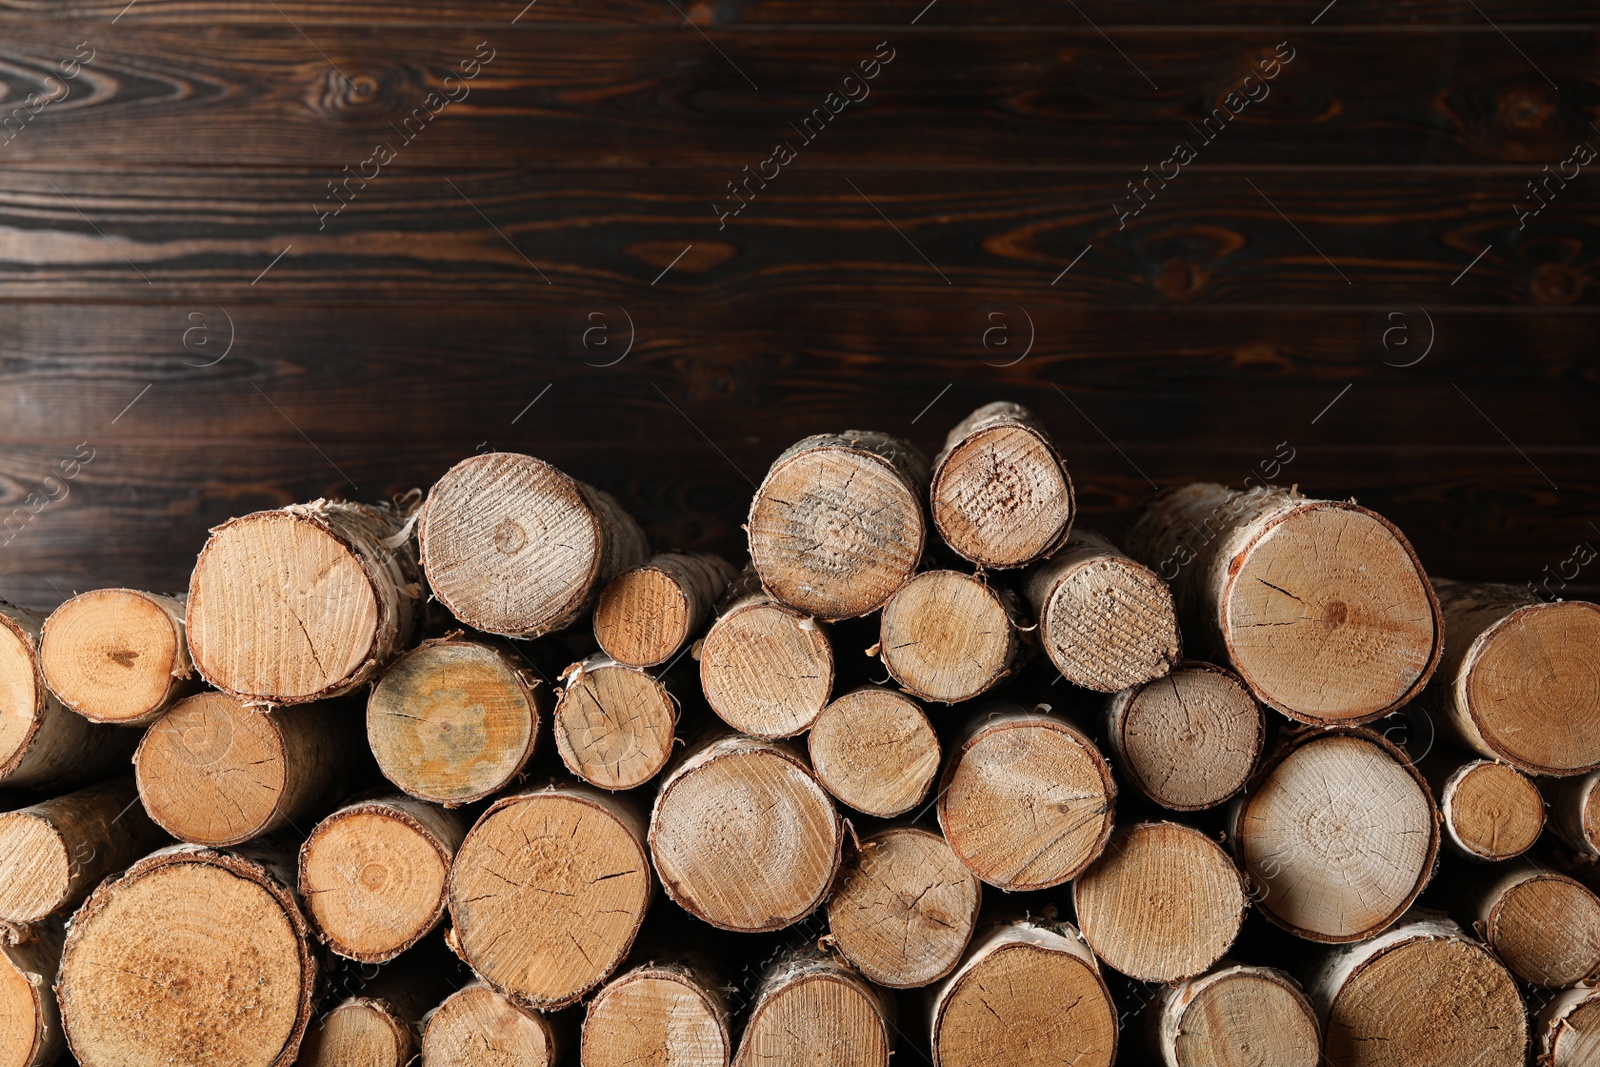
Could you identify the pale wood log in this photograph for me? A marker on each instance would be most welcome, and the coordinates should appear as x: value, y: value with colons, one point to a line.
x: 1491, y: 811
x: 1321, y: 606
x: 837, y: 525
x: 1189, y: 740
x: 513, y: 546
x: 744, y: 836
x: 455, y: 720
x: 766, y: 669
x: 478, y: 1027
x: 1000, y: 493
x: 809, y: 1006
x: 30, y: 1024
x: 54, y: 852
x: 1106, y: 621
x: 117, y: 655
x: 379, y: 1022
x: 670, y: 1012
x: 613, y: 723
x: 548, y: 891
x: 1545, y: 926
x: 874, y: 749
x: 1574, y: 805
x: 303, y: 603
x: 949, y: 637
x: 646, y: 614
x: 1234, y: 1016
x: 1568, y: 1029
x: 1027, y: 994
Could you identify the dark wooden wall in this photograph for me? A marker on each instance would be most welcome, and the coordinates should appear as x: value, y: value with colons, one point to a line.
x: 163, y: 209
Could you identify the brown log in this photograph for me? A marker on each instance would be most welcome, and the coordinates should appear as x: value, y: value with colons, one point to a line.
x: 1520, y: 678
x: 744, y: 836
x: 1420, y: 995
x: 454, y: 720
x: 30, y: 1024
x: 1234, y: 1016
x: 215, y: 771
x: 1106, y: 621
x: 513, y: 546
x: 613, y: 723
x: 808, y: 1007
x: 379, y: 1022
x: 1574, y: 805
x: 874, y: 749
x: 1320, y: 606
x: 766, y: 669
x: 1189, y: 740
x: 374, y: 875
x: 667, y: 1012
x: 476, y: 1026
x: 1338, y: 834
x: 1568, y: 1029
x: 648, y: 613
x: 117, y: 655
x: 1000, y: 493
x: 905, y: 908
x: 1491, y: 812
x: 1163, y: 902
x: 303, y: 603
x: 1545, y: 926
x: 42, y: 744
x: 1027, y: 994
x: 548, y: 891
x: 192, y: 958
x: 1026, y: 799
x: 837, y: 524
x: 949, y: 637
x: 54, y: 852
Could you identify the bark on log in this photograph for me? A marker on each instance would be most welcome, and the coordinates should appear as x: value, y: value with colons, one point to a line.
x: 1568, y: 1029
x: 1026, y: 799
x: 1320, y: 606
x: 301, y: 604
x: 1000, y: 493
x: 646, y: 614
x: 1544, y: 926
x: 54, y: 852
x: 670, y: 1012
x: 1575, y: 810
x: 1491, y: 812
x: 1520, y: 678
x: 874, y: 749
x: 476, y: 1026
x: 374, y: 875
x: 1234, y: 1016
x: 379, y: 1022
x: 1421, y: 995
x: 30, y: 1024
x: 613, y: 723
x: 513, y: 546
x: 810, y: 1008
x: 766, y: 669
x: 1027, y: 995
x: 744, y: 836
x: 837, y: 524
x: 548, y: 891
x: 949, y: 637
x: 117, y: 655
x: 1163, y: 902
x: 905, y: 908
x: 1188, y: 741
x: 1106, y: 621
x: 454, y: 720
x: 192, y: 958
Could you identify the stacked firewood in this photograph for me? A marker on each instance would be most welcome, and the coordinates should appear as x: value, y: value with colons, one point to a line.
x: 477, y: 778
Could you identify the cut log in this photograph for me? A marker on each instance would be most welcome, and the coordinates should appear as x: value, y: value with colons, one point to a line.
x: 744, y: 836
x: 671, y: 1013
x: 192, y: 958
x: 1026, y: 799
x: 54, y: 852
x: 1106, y: 622
x: 374, y: 875
x: 548, y: 891
x: 837, y: 524
x: 1491, y: 811
x: 766, y: 669
x: 874, y: 749
x: 1235, y: 1016
x: 1320, y: 606
x: 1000, y: 493
x: 948, y: 637
x: 477, y: 1027
x: 1026, y: 995
x: 613, y: 723
x: 379, y: 1022
x: 811, y: 1009
x: 1421, y: 995
x: 1544, y: 926
x: 905, y: 908
x: 1188, y: 741
x: 1568, y: 1029
x: 513, y: 546
x: 42, y: 744
x: 1575, y: 810
x: 117, y: 655
x: 30, y: 1025
x: 303, y: 603
x: 646, y: 614
x: 453, y: 721
x: 1338, y: 834
x: 1161, y: 904
x: 214, y: 771
x: 1520, y: 678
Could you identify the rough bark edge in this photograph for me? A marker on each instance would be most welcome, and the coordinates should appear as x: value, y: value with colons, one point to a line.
x: 34, y: 952
x: 1019, y: 644
x: 701, y: 579
x: 1163, y: 1025
x: 552, y: 1043
x: 805, y: 963
x: 1569, y: 802
x: 687, y: 974
x: 403, y: 1030
x: 1552, y: 1025
x: 744, y: 594
x: 937, y: 750
x: 1480, y: 905
x: 1445, y: 792
x: 181, y: 675
x: 571, y: 676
